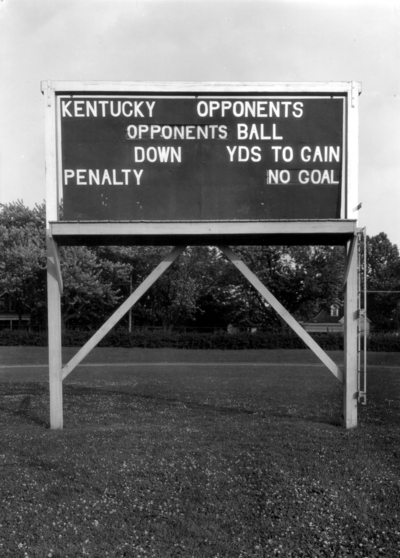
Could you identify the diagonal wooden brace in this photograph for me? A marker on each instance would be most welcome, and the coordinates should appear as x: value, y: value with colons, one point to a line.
x: 122, y: 310
x: 277, y: 306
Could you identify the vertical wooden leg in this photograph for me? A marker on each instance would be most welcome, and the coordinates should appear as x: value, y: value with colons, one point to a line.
x: 54, y: 328
x: 350, y: 341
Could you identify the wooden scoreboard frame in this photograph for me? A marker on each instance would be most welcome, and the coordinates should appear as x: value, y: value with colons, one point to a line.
x: 233, y: 198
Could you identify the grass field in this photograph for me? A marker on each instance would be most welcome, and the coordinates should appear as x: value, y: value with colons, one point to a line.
x: 200, y: 454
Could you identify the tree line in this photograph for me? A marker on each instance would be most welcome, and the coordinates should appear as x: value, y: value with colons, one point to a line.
x: 201, y: 289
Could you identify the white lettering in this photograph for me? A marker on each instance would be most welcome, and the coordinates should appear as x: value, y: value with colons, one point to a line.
x: 238, y: 109
x: 131, y: 132
x: 106, y: 176
x: 137, y: 106
x: 94, y: 177
x: 306, y: 178
x: 256, y: 154
x: 334, y: 153
x: 261, y: 107
x: 298, y: 110
x: 126, y: 112
x: 164, y: 153
x: 231, y: 152
x: 287, y: 154
x: 166, y: 132
x: 176, y: 154
x: 276, y: 149
x: 303, y: 155
x: 242, y: 131
x: 223, y: 132
x: 225, y: 106
x: 114, y: 112
x: 79, y: 108
x: 316, y: 176
x: 155, y: 130
x: 244, y: 153
x: 91, y: 108
x: 274, y: 133
x: 103, y: 107
x: 200, y: 108
x: 139, y: 154
x: 68, y: 174
x: 150, y: 106
x: 114, y: 175
x: 64, y: 108
x: 278, y: 176
x: 138, y: 174
x: 125, y: 173
x: 317, y: 154
x: 80, y: 178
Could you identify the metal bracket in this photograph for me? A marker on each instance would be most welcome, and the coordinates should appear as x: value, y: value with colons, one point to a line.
x: 362, y: 397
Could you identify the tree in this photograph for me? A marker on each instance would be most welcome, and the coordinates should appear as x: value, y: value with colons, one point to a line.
x: 301, y: 278
x: 383, y: 274
x: 90, y: 289
x: 23, y: 258
x: 90, y: 294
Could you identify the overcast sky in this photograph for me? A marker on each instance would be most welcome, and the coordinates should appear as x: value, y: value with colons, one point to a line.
x: 192, y: 40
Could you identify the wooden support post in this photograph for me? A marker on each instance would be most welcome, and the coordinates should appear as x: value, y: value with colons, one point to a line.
x: 54, y: 282
x: 54, y: 329
x: 122, y: 310
x: 350, y: 339
x: 54, y: 257
x: 349, y: 258
x: 277, y: 306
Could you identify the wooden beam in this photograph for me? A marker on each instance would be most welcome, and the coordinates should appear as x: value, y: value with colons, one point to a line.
x: 352, y: 201
x: 349, y: 258
x: 201, y: 228
x: 122, y: 310
x: 53, y: 283
x: 327, y: 87
x: 350, y: 392
x: 277, y: 306
x: 54, y: 258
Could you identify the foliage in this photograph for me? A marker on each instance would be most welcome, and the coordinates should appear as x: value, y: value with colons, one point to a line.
x: 202, y: 288
x: 89, y: 291
x: 383, y: 342
x: 383, y: 274
x: 23, y: 258
x: 301, y: 278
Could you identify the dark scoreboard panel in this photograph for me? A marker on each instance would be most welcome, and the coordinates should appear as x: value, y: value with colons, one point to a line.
x: 128, y: 157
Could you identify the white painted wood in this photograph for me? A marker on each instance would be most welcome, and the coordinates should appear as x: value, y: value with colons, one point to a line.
x: 53, y: 291
x: 122, y: 310
x: 238, y: 228
x: 277, y: 306
x: 350, y: 392
x: 193, y: 87
x: 55, y: 354
x: 349, y: 258
x: 55, y: 260
x: 352, y: 151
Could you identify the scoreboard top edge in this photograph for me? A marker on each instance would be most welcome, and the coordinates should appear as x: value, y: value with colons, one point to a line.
x: 278, y: 88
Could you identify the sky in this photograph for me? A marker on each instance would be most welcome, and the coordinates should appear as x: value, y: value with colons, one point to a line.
x: 204, y: 40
